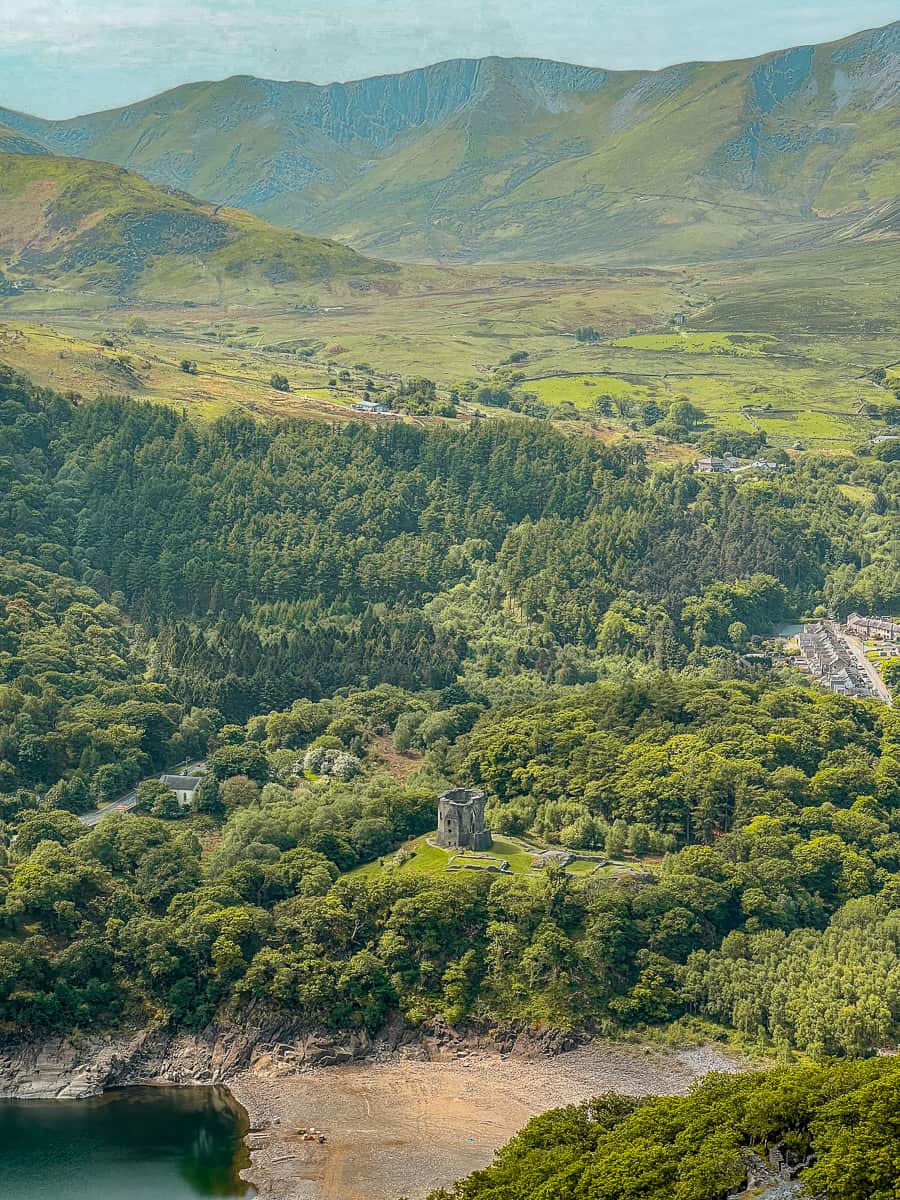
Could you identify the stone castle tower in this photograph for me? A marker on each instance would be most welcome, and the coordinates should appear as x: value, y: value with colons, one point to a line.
x: 461, y: 821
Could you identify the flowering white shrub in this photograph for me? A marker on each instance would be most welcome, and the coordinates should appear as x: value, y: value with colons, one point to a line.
x: 340, y: 764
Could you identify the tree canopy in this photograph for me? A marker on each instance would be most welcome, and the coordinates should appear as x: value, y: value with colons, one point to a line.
x: 840, y: 1119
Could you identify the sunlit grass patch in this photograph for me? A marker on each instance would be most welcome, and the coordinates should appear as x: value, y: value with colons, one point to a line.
x: 586, y: 391
x: 859, y: 495
x: 741, y: 345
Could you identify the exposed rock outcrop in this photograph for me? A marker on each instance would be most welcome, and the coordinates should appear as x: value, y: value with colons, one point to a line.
x: 72, y: 1068
x: 64, y: 1068
x: 772, y: 1180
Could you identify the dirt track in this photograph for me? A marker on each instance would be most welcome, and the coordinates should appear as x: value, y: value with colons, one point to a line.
x: 404, y: 1127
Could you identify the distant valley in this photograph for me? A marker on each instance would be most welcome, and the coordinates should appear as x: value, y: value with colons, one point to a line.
x: 532, y: 238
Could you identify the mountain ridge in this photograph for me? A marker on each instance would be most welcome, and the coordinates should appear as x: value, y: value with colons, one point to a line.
x: 446, y: 62
x: 504, y: 158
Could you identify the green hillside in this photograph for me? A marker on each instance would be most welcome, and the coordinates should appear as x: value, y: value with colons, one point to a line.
x: 85, y: 227
x: 515, y: 159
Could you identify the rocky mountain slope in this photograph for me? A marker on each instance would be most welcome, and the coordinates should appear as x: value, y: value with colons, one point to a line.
x: 528, y: 159
x: 12, y: 141
x: 68, y: 224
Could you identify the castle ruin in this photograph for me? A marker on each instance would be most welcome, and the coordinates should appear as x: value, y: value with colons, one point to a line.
x: 461, y: 821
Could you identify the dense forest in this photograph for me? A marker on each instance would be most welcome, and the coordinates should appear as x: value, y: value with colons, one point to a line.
x: 548, y: 618
x: 787, y: 855
x: 840, y: 1120
x: 232, y: 568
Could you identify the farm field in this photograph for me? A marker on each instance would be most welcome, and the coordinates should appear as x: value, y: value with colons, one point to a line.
x: 742, y: 345
x: 790, y: 399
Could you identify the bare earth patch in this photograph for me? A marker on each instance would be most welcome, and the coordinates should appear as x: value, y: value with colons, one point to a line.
x: 401, y: 766
x: 403, y: 1127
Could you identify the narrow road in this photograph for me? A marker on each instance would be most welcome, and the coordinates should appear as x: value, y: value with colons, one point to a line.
x: 128, y: 802
x: 124, y: 804
x: 872, y: 672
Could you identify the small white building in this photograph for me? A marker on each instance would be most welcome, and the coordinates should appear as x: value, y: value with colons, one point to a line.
x: 374, y: 407
x: 183, y: 786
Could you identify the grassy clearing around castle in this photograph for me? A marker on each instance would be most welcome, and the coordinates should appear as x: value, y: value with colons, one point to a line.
x: 422, y: 857
x: 417, y: 857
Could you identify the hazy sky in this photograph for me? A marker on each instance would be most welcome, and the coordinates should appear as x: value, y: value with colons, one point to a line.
x: 63, y: 57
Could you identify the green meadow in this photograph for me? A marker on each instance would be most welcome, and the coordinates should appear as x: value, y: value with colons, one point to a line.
x: 420, y: 857
x: 741, y: 345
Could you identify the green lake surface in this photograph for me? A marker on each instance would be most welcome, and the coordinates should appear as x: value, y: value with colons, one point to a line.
x: 131, y: 1144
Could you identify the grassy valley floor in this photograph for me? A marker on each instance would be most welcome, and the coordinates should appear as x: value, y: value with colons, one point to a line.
x: 785, y: 346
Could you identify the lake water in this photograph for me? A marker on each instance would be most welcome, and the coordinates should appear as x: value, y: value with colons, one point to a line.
x: 789, y: 630
x: 132, y: 1144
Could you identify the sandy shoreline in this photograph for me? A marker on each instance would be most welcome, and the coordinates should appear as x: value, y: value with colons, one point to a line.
x: 403, y: 1127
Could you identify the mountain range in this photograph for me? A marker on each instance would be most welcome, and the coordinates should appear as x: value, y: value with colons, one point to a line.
x: 505, y: 159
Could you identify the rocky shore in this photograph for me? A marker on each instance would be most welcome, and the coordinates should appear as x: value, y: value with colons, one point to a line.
x: 74, y: 1068
x: 402, y: 1113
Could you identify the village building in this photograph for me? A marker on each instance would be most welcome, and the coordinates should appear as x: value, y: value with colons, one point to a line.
x: 461, y: 821
x: 183, y: 786
x: 710, y: 465
x: 873, y: 628
x: 373, y: 407
x: 828, y: 658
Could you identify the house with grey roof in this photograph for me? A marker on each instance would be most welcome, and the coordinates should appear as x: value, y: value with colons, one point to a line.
x: 183, y: 786
x: 711, y: 465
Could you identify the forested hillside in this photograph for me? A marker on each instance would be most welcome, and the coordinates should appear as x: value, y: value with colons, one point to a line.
x: 79, y: 720
x: 130, y: 918
x: 305, y: 604
x: 244, y: 565
x: 840, y: 1120
x: 684, y: 756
